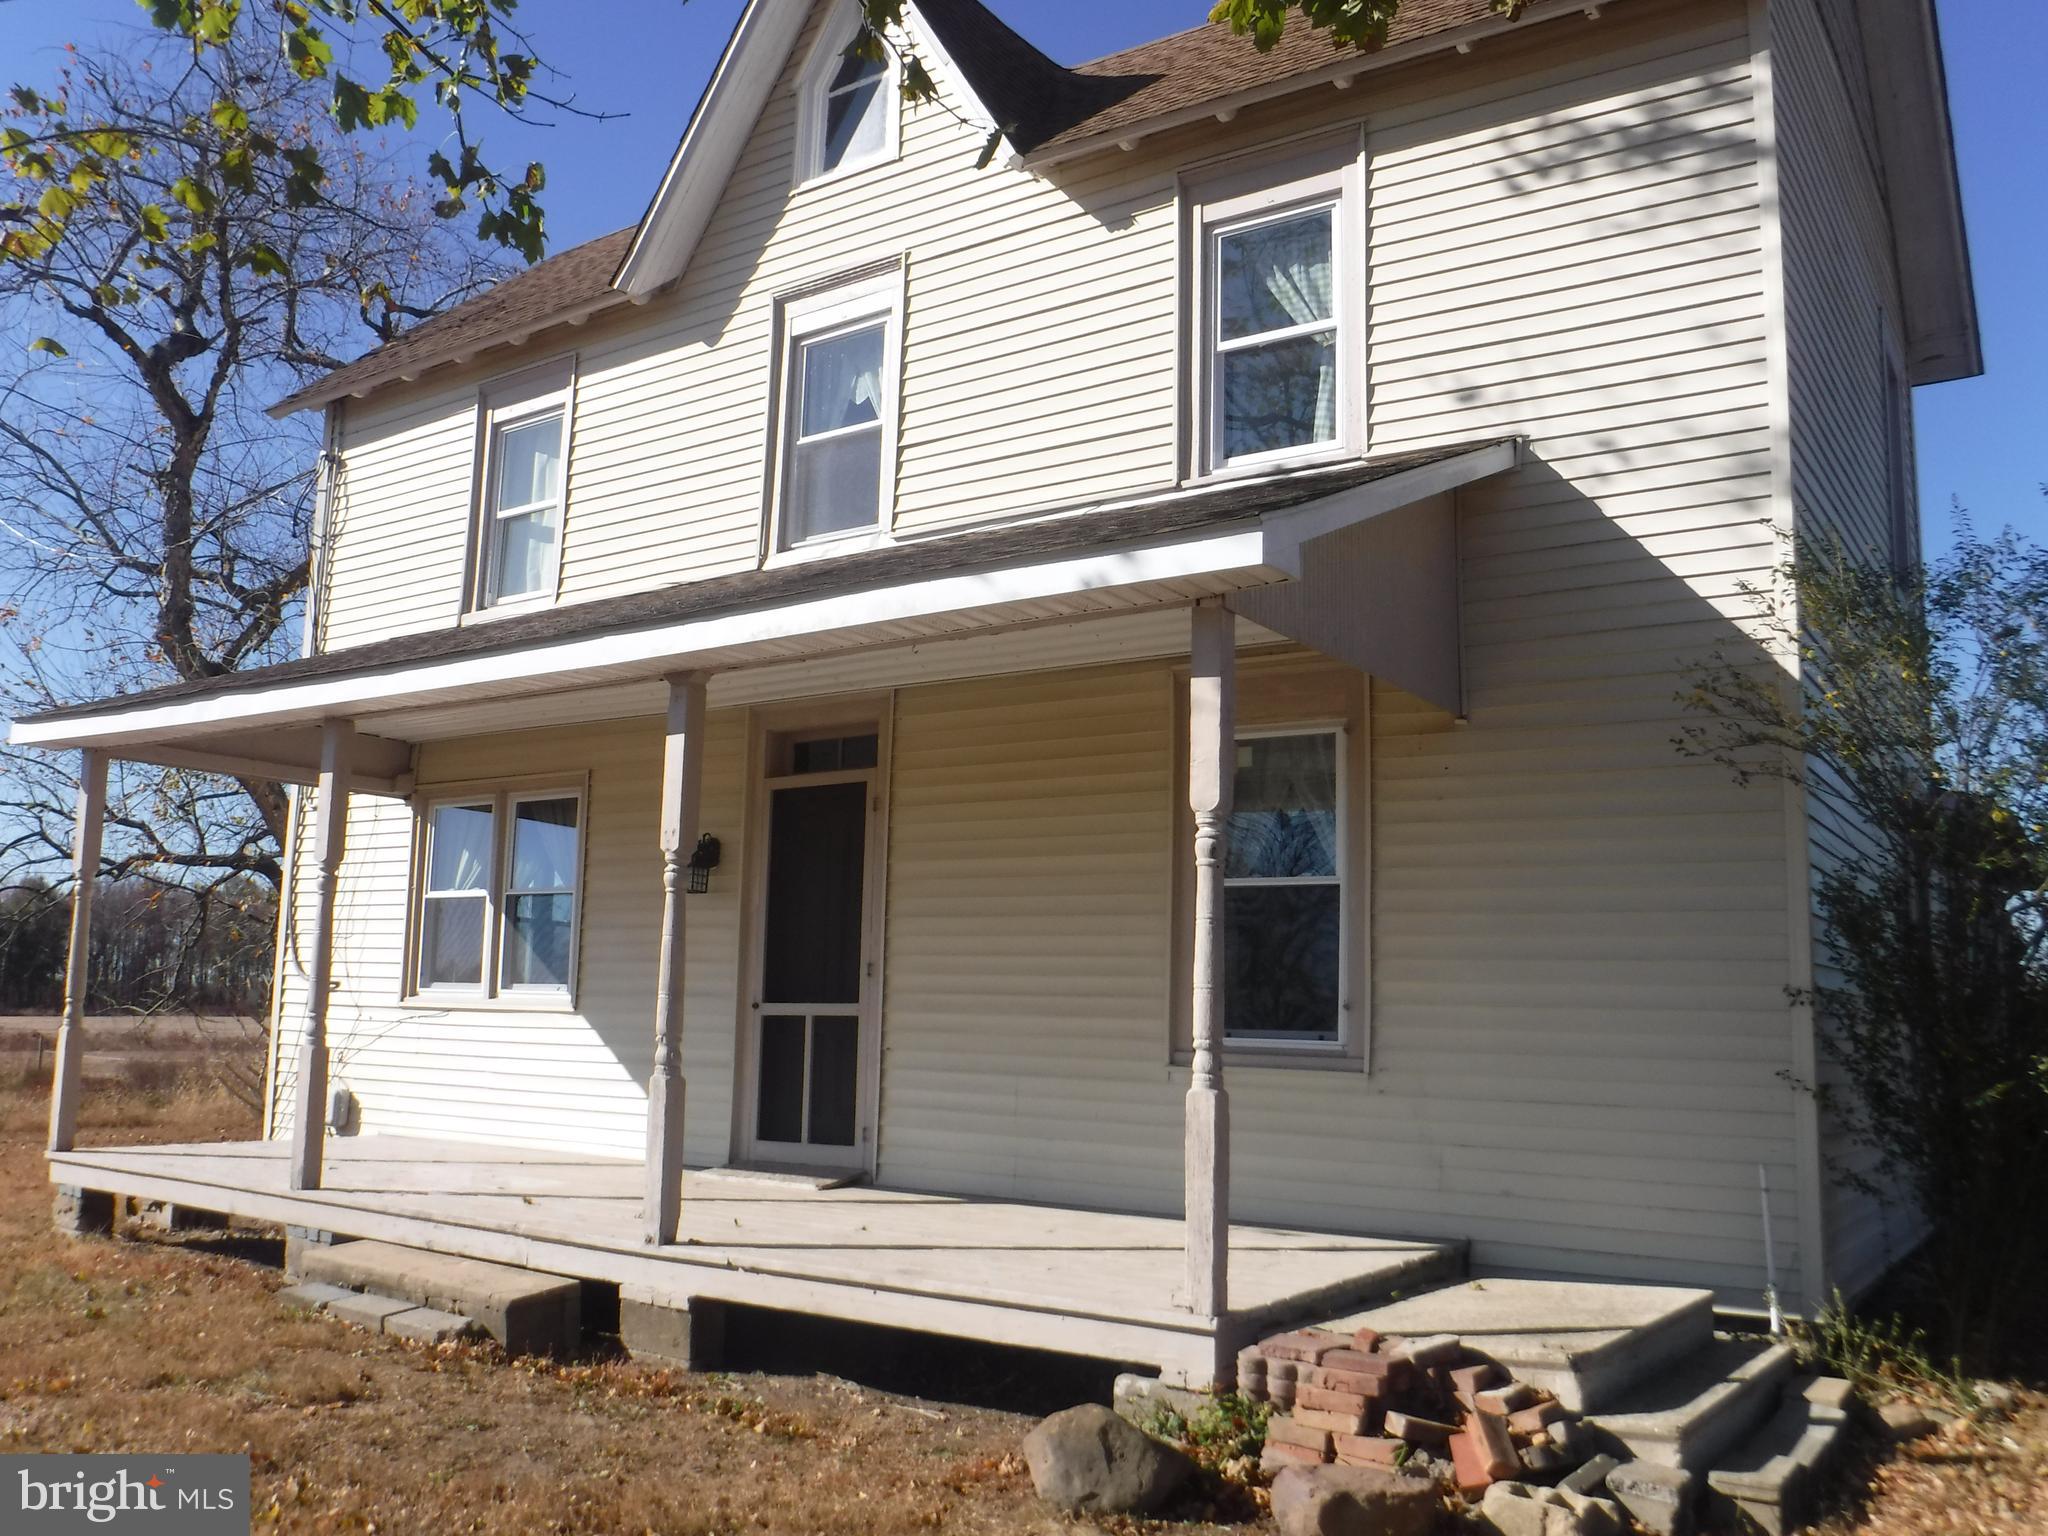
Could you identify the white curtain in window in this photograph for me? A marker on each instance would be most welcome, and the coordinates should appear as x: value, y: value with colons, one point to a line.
x: 1275, y: 277
x: 842, y: 381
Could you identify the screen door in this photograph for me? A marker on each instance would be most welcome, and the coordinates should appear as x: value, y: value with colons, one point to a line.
x: 812, y: 1002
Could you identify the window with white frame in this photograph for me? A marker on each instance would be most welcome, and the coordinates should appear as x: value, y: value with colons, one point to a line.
x: 1283, y: 890
x: 838, y: 415
x: 525, y: 443
x: 500, y: 874
x: 1276, y: 319
x: 848, y: 104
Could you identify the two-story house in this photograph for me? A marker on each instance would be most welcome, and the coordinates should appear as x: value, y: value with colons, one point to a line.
x: 918, y: 733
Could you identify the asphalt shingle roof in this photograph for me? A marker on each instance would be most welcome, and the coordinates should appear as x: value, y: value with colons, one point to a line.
x: 1082, y: 528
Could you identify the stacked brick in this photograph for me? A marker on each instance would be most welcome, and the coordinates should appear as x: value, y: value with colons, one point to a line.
x: 1360, y: 1400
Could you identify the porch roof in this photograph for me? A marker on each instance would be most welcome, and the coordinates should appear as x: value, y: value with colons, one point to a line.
x: 1148, y: 552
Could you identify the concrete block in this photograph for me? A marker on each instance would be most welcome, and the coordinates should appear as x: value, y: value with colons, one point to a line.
x: 312, y: 1296
x: 522, y: 1309
x: 1831, y: 1394
x: 1660, y: 1499
x: 82, y: 1212
x: 429, y: 1325
x: 297, y: 1240
x: 1136, y: 1397
x: 1430, y: 1350
x: 163, y: 1216
x: 1592, y: 1477
x: 1583, y: 1342
x: 1701, y: 1408
x: 693, y: 1336
x: 366, y: 1310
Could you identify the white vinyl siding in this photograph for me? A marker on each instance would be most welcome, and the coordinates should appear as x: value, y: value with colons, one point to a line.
x: 1580, y: 942
x: 1842, y: 333
x: 535, y: 1076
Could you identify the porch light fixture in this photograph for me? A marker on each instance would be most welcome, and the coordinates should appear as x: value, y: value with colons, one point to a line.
x: 703, y: 860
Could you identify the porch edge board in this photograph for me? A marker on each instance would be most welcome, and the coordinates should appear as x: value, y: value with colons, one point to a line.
x: 1171, y: 1342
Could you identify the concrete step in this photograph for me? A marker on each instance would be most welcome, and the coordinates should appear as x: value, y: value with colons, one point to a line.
x: 1702, y: 1408
x: 523, y: 1310
x: 1587, y: 1344
x: 1767, y: 1483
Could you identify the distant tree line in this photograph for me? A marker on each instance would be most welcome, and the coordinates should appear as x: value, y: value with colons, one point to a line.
x: 156, y: 947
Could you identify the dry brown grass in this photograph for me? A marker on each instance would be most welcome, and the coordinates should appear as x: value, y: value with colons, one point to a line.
x: 176, y: 1344
x: 166, y: 1344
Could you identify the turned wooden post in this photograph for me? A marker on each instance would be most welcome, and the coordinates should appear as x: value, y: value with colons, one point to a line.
x: 682, y: 784
x: 330, y: 832
x: 85, y: 866
x: 1212, y: 766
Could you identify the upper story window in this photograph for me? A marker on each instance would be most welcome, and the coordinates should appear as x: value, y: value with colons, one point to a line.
x: 838, y: 414
x: 525, y: 475
x: 848, y: 105
x: 1279, y: 320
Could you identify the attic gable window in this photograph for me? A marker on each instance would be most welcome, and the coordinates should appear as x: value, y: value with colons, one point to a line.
x: 847, y: 106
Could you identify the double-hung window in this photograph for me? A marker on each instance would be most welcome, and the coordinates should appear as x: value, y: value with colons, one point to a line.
x: 525, y: 461
x: 1283, y: 889
x: 1297, y: 871
x: 1278, y: 316
x: 500, y: 875
x: 838, y: 451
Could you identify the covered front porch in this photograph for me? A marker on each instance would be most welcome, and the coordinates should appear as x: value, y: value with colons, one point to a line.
x: 1098, y: 1283
x: 1356, y: 565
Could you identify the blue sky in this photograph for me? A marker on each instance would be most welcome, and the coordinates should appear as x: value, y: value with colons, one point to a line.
x: 1983, y: 441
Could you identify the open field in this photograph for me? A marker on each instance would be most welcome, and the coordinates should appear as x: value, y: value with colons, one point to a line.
x: 176, y: 1344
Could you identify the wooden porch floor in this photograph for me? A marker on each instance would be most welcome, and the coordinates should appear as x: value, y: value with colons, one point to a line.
x: 1087, y: 1282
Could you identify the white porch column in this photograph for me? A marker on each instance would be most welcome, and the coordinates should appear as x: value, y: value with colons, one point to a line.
x: 1212, y: 765
x: 85, y: 865
x: 682, y: 784
x: 330, y: 831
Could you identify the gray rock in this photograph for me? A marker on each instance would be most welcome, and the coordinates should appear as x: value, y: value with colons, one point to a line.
x: 1087, y: 1459
x: 1905, y: 1421
x: 1354, y: 1501
x: 1512, y: 1510
x: 1995, y: 1400
x: 1659, y: 1498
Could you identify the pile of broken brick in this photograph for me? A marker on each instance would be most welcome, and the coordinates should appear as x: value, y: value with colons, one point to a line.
x: 1428, y: 1406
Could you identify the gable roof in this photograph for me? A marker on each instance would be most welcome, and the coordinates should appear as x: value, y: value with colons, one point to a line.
x: 578, y: 281
x: 1210, y: 63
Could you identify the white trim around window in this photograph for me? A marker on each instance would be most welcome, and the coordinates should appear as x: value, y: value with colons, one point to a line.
x: 498, y: 875
x: 849, y: 114
x: 521, y: 489
x: 839, y: 367
x: 1275, y: 253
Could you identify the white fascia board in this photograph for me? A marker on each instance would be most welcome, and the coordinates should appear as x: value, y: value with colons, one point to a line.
x: 1239, y: 551
x: 1916, y: 145
x: 711, y: 145
x: 1290, y: 529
